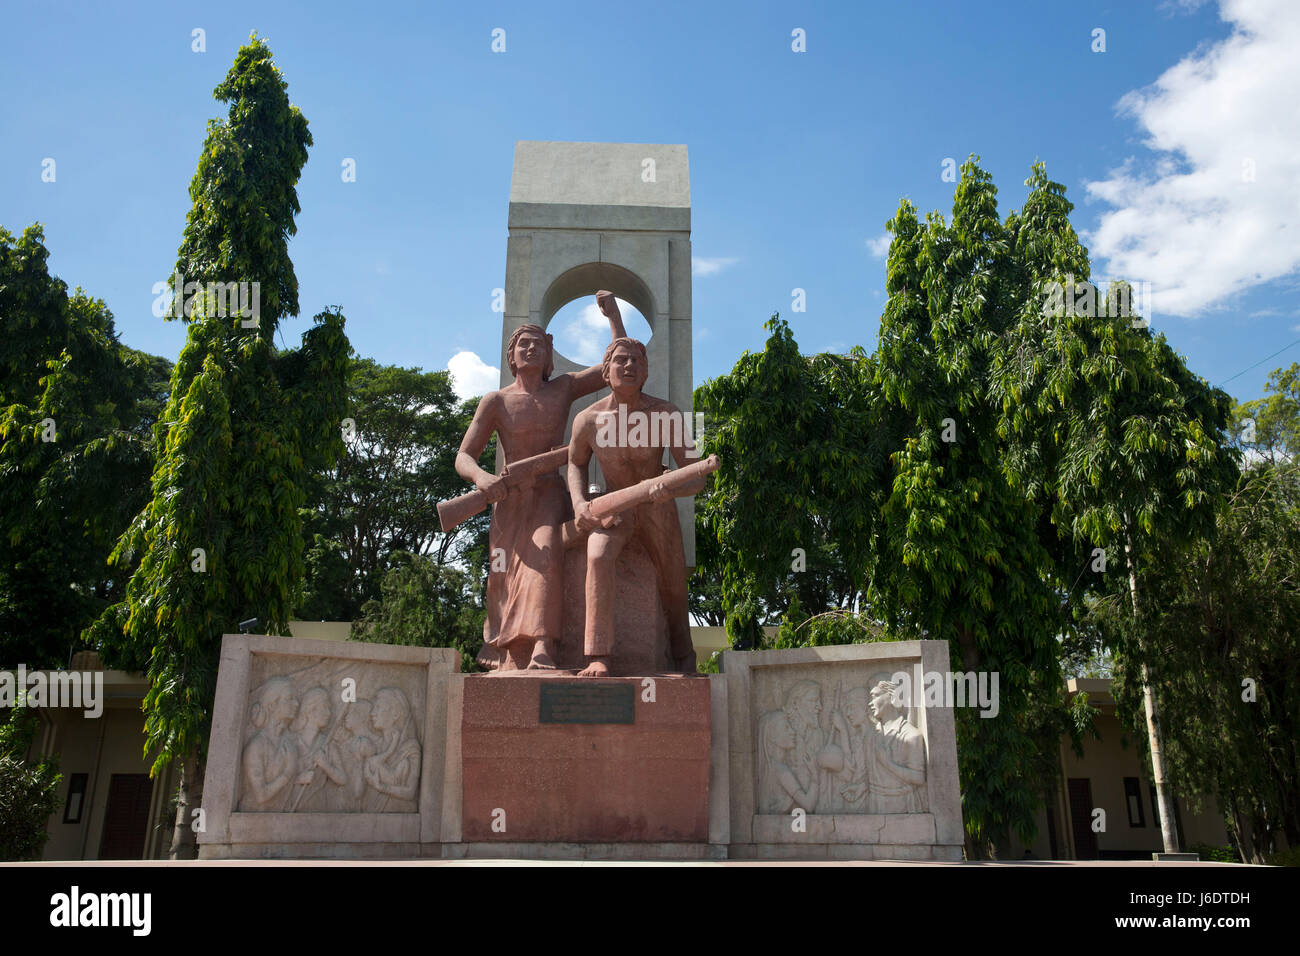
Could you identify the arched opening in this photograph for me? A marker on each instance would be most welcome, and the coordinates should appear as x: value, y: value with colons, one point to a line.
x: 581, y: 332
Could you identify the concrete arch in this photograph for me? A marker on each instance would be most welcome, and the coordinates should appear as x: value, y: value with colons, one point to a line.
x: 617, y: 216
x: 586, y: 280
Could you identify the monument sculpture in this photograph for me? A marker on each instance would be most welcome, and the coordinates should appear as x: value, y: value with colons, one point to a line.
x: 531, y: 525
x: 524, y: 599
x: 628, y: 457
x: 303, y: 754
x: 897, y: 769
x: 587, y: 741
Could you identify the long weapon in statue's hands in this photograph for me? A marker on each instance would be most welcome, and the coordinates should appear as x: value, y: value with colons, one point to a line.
x: 459, y: 510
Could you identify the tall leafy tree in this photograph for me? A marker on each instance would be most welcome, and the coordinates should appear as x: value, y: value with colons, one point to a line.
x: 245, y: 427
x: 958, y: 553
x: 76, y: 410
x: 1108, y: 424
x: 786, y: 517
x: 379, y: 500
x: 1219, y: 637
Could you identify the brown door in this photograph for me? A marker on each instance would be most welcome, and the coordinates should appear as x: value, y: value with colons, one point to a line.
x: 126, y: 820
x: 1081, y: 806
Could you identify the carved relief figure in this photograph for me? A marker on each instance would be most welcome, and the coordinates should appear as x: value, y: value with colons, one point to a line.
x: 785, y: 779
x: 803, y: 707
x: 313, y: 718
x: 525, y: 601
x: 853, y: 731
x: 897, y: 773
x: 270, y: 759
x: 346, y: 755
x: 394, y: 770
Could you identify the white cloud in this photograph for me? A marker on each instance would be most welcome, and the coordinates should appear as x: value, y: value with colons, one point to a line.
x: 701, y: 267
x: 879, y: 247
x: 1191, y: 220
x: 471, y: 376
x: 581, y: 336
x: 582, y: 339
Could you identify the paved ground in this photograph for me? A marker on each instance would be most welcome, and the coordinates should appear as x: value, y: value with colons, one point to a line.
x: 999, y: 864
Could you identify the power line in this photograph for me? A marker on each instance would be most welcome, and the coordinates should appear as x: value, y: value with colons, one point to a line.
x: 1259, y: 363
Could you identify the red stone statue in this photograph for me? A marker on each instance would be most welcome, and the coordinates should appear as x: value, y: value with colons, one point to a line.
x: 628, y: 432
x: 525, y: 592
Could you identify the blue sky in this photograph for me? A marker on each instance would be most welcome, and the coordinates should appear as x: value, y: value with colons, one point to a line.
x: 1179, y: 145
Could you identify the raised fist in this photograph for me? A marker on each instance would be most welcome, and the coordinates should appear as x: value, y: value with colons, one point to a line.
x: 608, y: 306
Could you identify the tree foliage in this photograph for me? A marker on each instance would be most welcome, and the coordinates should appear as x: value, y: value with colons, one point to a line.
x: 76, y: 447
x: 1106, y: 425
x: 1269, y: 427
x: 787, y: 513
x: 379, y: 501
x: 245, y: 427
x: 1219, y: 636
x: 428, y: 604
x: 29, y: 790
x: 959, y: 551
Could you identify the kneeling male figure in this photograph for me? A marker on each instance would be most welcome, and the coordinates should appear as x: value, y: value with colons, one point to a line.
x: 625, y: 463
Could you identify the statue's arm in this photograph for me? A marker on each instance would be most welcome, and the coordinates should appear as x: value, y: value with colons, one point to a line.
x: 255, y: 771
x: 580, y: 452
x: 590, y: 379
x: 804, y: 798
x: 476, y: 438
x: 913, y: 771
x: 684, y: 454
x: 579, y: 459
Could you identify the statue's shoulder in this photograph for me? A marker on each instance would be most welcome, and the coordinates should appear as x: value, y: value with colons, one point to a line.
x: 588, y: 415
x: 492, y: 399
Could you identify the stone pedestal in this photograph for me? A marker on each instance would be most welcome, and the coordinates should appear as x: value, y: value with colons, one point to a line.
x: 527, y: 780
x: 322, y: 749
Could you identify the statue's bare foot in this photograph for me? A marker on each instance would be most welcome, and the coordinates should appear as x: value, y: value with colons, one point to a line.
x: 489, y: 657
x: 541, y: 660
x: 597, y: 668
x: 687, y: 665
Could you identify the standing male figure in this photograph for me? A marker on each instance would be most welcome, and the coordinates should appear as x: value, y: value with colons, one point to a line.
x: 636, y: 454
x: 897, y: 774
x: 525, y: 602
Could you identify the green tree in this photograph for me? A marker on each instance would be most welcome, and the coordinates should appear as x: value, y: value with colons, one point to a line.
x: 380, y: 499
x: 245, y: 427
x: 428, y: 604
x: 958, y: 551
x: 1270, y: 426
x: 29, y: 790
x: 76, y: 448
x: 1220, y: 641
x: 802, y: 457
x: 1108, y: 426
